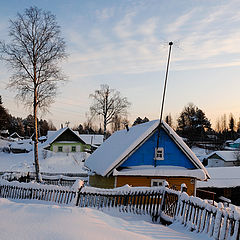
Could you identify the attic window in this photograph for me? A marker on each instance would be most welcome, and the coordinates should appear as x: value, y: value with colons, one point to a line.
x: 159, y: 153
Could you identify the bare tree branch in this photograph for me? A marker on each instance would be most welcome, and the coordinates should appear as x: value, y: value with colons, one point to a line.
x: 35, y: 49
x: 108, y: 103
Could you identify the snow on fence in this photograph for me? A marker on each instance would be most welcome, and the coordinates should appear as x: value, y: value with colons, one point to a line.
x: 161, y: 203
x: 15, y: 190
x: 200, y: 216
x: 47, y: 179
x: 139, y: 200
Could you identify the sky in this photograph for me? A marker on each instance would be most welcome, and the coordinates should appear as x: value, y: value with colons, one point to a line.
x: 124, y: 43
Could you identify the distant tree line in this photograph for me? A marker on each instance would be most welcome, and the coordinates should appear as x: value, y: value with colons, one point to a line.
x: 191, y: 124
x: 86, y: 128
x: 23, y: 126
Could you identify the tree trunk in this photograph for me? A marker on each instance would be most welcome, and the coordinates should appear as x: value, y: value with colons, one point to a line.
x: 38, y: 177
x: 105, y: 115
x: 105, y: 128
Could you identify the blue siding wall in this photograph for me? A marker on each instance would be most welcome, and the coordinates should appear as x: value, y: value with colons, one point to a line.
x: 173, y: 156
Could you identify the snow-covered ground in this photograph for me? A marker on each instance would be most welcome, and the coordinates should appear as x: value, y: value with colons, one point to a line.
x: 30, y: 220
x: 50, y: 162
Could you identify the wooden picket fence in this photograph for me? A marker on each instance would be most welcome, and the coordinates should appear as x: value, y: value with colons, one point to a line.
x: 215, y: 221
x: 60, y: 180
x: 52, y: 195
x: 162, y: 204
x: 155, y: 202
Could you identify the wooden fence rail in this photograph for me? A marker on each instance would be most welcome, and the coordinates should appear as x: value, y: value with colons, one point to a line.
x: 59, y: 180
x: 161, y: 203
x: 136, y: 202
x: 216, y: 221
x: 52, y: 195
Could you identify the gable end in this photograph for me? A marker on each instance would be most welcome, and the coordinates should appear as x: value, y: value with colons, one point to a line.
x: 68, y: 135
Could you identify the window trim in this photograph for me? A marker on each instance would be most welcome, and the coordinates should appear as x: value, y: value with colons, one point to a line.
x: 60, y: 147
x: 156, y: 152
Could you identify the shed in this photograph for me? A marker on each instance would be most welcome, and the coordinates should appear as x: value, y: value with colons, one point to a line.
x: 223, y: 159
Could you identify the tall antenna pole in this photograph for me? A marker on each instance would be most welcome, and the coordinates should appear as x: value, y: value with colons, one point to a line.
x: 163, y: 97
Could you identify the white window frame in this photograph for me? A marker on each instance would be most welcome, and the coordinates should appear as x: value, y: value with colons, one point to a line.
x: 157, y: 181
x: 156, y: 153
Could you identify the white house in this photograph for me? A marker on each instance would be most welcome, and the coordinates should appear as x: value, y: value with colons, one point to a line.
x: 223, y: 159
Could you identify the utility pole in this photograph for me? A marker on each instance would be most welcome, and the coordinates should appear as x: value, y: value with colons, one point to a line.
x: 163, y: 97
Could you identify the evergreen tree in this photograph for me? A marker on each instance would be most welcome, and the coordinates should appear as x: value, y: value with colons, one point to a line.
x: 192, y: 123
x: 43, y: 127
x: 231, y: 123
x: 4, y: 117
x: 168, y: 120
x: 238, y: 126
x: 140, y: 120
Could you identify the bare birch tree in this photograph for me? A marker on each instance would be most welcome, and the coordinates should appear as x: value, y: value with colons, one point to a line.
x: 108, y: 103
x: 34, y: 50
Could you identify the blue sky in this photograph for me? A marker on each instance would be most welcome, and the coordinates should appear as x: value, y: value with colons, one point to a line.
x: 125, y: 44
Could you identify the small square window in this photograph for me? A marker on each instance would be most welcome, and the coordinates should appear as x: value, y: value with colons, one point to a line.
x: 73, y: 148
x: 60, y: 149
x: 157, y: 182
x: 159, y: 153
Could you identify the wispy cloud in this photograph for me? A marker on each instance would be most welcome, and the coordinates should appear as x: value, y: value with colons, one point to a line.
x: 123, y: 28
x: 180, y: 22
x: 133, y: 46
x: 105, y: 13
x: 148, y: 27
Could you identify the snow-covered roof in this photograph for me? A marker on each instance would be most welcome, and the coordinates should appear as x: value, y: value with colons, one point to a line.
x: 4, y: 131
x: 237, y: 141
x: 42, y: 138
x: 222, y: 177
x: 168, y: 171
x: 224, y: 155
x: 116, y: 148
x: 26, y: 144
x: 92, y: 139
x: 53, y: 135
x: 15, y: 135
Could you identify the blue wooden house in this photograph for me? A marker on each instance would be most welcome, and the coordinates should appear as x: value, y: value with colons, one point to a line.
x: 132, y: 157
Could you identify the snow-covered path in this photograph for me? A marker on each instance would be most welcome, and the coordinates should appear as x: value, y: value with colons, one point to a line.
x: 40, y: 221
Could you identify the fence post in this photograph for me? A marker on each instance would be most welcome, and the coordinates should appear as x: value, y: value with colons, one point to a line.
x: 162, y: 205
x: 236, y: 230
